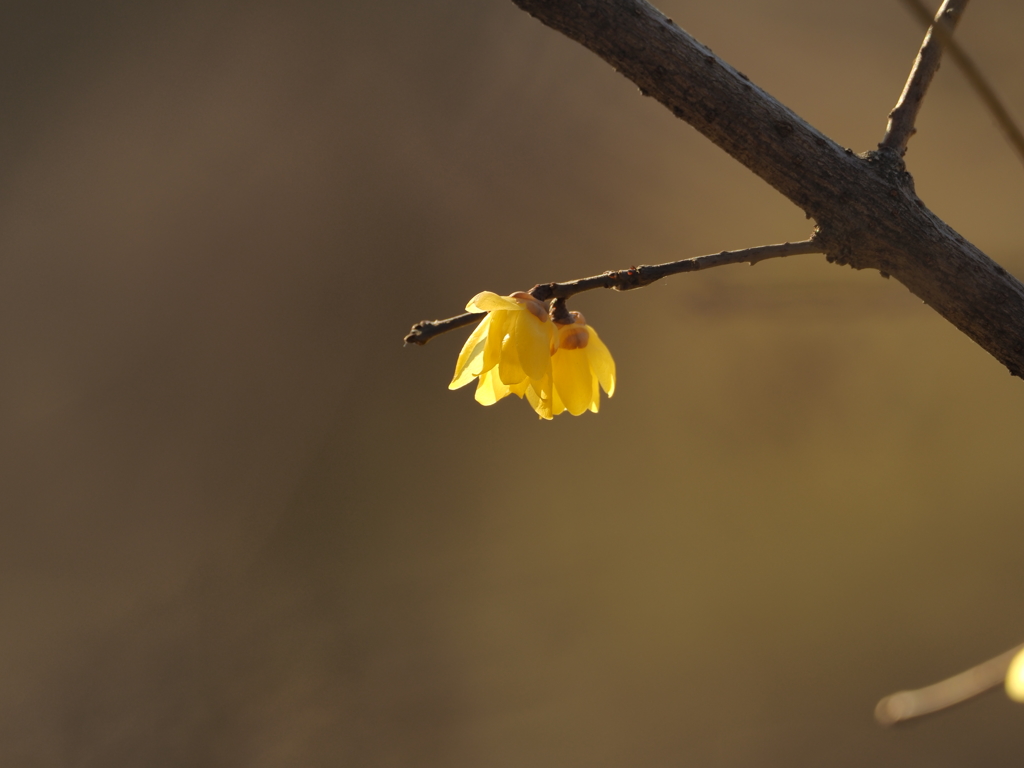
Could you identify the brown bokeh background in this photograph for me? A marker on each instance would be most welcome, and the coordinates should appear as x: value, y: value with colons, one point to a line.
x: 243, y: 526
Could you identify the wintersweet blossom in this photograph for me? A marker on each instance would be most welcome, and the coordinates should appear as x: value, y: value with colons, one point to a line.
x: 510, y: 351
x: 580, y: 362
x: 518, y: 350
x: 1015, y: 678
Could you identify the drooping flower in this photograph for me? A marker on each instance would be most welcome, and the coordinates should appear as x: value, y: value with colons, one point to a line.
x: 510, y: 351
x: 518, y: 350
x: 580, y: 362
x: 1015, y: 678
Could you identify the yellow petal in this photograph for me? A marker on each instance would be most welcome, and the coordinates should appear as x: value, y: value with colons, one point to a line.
x: 601, y: 362
x: 490, y: 390
x: 533, y: 344
x: 595, y: 397
x: 573, y: 379
x: 471, y: 358
x: 539, y: 396
x: 541, y: 405
x: 509, y: 368
x: 487, y: 301
x: 520, y: 389
x: 557, y: 406
x: 495, y: 334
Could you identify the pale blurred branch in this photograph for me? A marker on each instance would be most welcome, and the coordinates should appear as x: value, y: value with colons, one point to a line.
x: 903, y: 117
x: 970, y: 70
x: 906, y: 705
x: 625, y: 280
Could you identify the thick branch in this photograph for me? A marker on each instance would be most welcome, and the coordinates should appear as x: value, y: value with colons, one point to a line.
x: 623, y: 280
x: 904, y: 115
x: 867, y: 212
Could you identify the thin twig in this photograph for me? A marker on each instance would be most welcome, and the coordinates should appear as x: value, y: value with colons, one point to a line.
x: 976, y: 79
x: 624, y: 280
x: 638, y: 277
x: 906, y: 705
x: 904, y: 115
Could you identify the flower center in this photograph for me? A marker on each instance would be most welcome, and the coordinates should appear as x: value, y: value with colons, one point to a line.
x: 573, y: 337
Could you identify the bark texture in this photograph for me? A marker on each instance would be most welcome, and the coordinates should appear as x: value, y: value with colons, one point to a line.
x: 867, y: 212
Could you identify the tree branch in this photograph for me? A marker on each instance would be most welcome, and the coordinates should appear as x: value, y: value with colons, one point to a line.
x: 623, y: 280
x: 974, y: 77
x: 904, y: 115
x: 638, y: 277
x: 906, y: 705
x: 867, y: 212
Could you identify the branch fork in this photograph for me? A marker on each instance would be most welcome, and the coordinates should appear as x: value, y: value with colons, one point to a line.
x: 864, y: 206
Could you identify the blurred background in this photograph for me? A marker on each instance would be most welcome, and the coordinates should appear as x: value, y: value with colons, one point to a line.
x: 243, y: 526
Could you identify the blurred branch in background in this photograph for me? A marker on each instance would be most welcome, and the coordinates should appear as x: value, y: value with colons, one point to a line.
x: 977, y: 80
x: 624, y: 280
x: 906, y: 705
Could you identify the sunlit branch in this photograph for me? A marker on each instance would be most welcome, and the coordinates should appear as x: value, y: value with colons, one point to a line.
x: 624, y: 280
x: 903, y: 117
x: 974, y: 77
x: 907, y: 705
x: 866, y: 212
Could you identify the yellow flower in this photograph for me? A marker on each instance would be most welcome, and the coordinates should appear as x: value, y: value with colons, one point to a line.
x: 579, y: 363
x: 1015, y: 678
x: 517, y: 350
x: 510, y: 351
